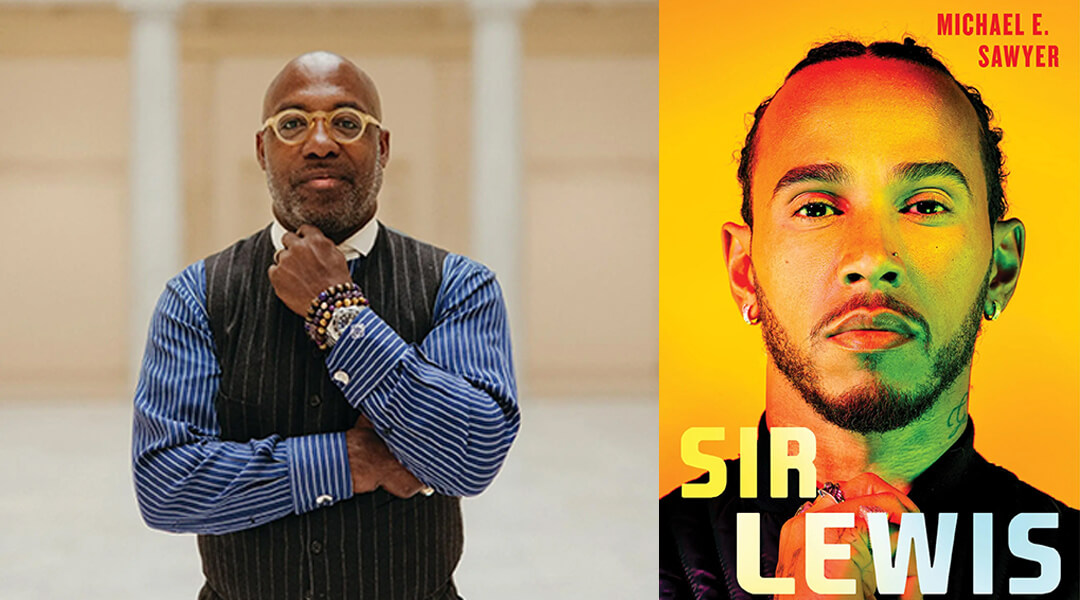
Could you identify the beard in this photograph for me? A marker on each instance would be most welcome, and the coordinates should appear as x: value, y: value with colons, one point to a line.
x: 874, y: 407
x: 336, y: 213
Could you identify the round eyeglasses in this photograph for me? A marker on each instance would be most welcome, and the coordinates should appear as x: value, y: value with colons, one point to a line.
x: 344, y: 125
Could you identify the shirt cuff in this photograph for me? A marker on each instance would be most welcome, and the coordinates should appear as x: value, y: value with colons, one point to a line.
x: 318, y: 470
x: 367, y: 352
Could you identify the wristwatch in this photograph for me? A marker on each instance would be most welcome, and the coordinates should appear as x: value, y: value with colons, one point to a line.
x: 339, y: 322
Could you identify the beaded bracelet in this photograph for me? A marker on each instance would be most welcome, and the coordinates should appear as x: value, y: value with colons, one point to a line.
x: 321, y: 312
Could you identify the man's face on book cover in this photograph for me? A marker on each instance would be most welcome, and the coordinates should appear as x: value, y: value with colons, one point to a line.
x: 871, y: 243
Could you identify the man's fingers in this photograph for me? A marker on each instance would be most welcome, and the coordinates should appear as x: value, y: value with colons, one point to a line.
x: 863, y: 561
x: 867, y: 484
x: 911, y: 589
x: 274, y: 274
x: 373, y: 465
x: 882, y: 502
x: 289, y: 239
x: 402, y: 483
x: 364, y: 484
x: 861, y: 507
x: 309, y: 231
x: 401, y: 492
x: 862, y: 495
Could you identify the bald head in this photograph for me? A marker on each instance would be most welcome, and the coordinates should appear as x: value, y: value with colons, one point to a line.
x: 321, y: 73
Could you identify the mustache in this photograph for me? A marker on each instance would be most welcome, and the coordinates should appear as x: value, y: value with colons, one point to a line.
x: 871, y: 301
x: 323, y: 169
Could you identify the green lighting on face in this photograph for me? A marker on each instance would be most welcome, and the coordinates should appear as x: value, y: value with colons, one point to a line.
x: 904, y: 382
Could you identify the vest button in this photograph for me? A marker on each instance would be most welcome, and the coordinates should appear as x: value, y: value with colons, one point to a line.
x: 314, y: 400
x: 316, y: 546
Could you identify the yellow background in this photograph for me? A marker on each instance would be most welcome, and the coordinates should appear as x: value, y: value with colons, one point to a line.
x: 717, y: 62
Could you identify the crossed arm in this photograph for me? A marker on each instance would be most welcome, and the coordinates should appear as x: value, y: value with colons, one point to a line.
x: 446, y: 409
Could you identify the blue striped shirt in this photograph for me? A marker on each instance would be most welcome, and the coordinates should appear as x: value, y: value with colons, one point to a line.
x: 446, y: 408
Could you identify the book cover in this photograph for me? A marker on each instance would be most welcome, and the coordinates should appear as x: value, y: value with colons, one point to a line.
x: 878, y: 299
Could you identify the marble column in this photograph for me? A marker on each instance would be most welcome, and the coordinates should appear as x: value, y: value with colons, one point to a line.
x: 497, y: 201
x: 156, y: 214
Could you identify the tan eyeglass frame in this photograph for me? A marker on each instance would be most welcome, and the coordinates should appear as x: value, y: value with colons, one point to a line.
x: 327, y: 117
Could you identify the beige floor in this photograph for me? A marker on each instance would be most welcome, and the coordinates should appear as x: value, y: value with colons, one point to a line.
x: 573, y: 514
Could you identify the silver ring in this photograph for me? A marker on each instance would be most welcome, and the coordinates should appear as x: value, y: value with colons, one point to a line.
x: 833, y: 491
x: 277, y: 255
x: 427, y: 491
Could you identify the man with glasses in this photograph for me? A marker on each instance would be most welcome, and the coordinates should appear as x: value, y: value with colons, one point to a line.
x: 315, y: 399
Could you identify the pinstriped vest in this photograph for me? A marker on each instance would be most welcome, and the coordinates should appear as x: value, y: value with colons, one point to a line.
x: 372, y: 546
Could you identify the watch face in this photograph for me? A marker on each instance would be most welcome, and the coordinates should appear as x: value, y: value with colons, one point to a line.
x: 340, y: 320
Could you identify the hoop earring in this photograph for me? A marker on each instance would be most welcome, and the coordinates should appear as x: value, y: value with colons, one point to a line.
x: 746, y: 316
x: 994, y: 312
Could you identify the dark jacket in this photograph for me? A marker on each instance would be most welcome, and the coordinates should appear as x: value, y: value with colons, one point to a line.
x: 273, y: 381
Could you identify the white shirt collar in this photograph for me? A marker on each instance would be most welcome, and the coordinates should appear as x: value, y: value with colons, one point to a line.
x: 359, y: 244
